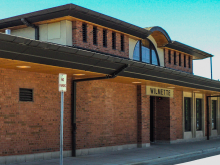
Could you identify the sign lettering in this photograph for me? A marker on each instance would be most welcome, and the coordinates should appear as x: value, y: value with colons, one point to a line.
x: 156, y: 91
x: 62, y: 82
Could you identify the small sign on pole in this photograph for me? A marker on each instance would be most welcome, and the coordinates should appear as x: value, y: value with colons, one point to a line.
x: 62, y: 89
x: 62, y: 82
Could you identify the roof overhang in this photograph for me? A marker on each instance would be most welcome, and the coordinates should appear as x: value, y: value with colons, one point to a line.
x: 77, y: 12
x: 198, y: 54
x: 18, y: 48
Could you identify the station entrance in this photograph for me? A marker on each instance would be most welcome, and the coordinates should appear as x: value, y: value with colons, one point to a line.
x: 159, y: 119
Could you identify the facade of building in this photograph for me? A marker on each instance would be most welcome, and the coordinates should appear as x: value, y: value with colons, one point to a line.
x: 127, y: 86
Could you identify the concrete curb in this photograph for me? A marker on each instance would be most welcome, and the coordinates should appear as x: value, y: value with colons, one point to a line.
x: 177, y: 156
x: 32, y: 157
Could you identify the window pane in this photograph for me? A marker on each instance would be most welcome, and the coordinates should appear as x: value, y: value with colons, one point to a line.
x: 213, y: 114
x: 180, y: 59
x: 148, y: 52
x: 184, y: 60
x: 198, y: 114
x: 187, y: 114
x: 122, y: 43
x: 84, y: 32
x: 169, y: 56
x: 136, y: 54
x: 154, y: 57
x: 189, y: 61
x: 145, y: 54
x: 95, y: 35
x: 174, y: 58
x: 104, y: 38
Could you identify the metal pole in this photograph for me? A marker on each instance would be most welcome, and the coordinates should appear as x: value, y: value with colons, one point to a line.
x: 207, y: 100
x: 211, y: 66
x: 73, y: 118
x: 61, y: 129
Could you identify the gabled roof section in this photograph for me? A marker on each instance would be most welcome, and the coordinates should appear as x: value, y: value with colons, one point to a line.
x: 77, y: 12
x: 198, y: 54
x: 160, y: 35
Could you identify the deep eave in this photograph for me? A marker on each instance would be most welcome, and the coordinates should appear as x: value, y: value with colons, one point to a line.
x: 22, y: 49
x: 77, y: 12
x: 188, y: 49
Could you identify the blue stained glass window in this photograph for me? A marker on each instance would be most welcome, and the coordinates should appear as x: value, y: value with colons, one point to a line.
x: 145, y: 54
x: 148, y: 53
x: 136, y: 54
x: 154, y: 57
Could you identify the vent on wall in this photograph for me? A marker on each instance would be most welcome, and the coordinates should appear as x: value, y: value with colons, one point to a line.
x: 25, y: 94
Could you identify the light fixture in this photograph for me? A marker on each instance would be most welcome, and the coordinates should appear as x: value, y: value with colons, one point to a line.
x: 78, y: 74
x: 170, y: 87
x: 136, y: 82
x: 23, y: 67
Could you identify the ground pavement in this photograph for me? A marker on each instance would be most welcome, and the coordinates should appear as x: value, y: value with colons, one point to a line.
x: 156, y: 152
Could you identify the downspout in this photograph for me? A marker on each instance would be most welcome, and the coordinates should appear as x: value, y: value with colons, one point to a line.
x: 211, y: 66
x: 33, y: 26
x: 73, y: 100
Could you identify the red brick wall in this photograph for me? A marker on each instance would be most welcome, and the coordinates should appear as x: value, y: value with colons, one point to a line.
x: 106, y: 114
x: 143, y: 112
x: 176, y: 116
x: 32, y: 127
x: 78, y: 40
x: 177, y: 67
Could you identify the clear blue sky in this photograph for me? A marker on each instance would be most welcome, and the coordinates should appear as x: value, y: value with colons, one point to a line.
x: 193, y: 22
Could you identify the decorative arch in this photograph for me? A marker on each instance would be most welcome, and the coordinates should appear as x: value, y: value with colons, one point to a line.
x: 160, y: 35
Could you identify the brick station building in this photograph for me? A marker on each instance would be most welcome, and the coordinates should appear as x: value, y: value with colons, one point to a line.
x: 127, y: 86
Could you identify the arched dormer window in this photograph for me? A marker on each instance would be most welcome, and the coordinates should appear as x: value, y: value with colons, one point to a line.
x: 145, y: 51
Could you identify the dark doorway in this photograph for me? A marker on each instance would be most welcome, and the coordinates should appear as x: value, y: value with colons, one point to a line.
x: 152, y: 100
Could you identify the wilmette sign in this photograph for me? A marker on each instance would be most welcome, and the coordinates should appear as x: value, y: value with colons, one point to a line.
x: 161, y: 92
